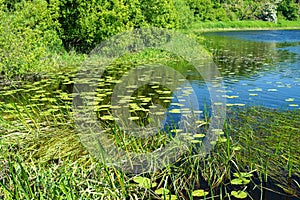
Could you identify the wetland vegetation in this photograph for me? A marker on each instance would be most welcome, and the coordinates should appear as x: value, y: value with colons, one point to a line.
x: 256, y: 155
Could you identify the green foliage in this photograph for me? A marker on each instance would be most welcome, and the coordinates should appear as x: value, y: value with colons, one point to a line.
x: 31, y: 31
x: 203, y: 10
x: 162, y: 191
x: 239, y: 194
x: 269, y: 12
x: 289, y: 9
x: 28, y: 37
x: 85, y: 24
x: 160, y: 13
x: 245, y: 10
x: 199, y: 193
x: 144, y: 182
x: 184, y: 13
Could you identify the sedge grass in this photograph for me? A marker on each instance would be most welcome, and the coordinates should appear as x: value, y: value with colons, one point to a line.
x: 57, y: 165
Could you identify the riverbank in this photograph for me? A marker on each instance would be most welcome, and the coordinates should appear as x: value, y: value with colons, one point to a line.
x: 243, y: 25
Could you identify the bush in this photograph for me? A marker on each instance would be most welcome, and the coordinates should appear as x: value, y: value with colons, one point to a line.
x: 28, y: 37
x: 184, y: 13
x: 289, y: 10
x: 86, y: 23
x: 269, y: 12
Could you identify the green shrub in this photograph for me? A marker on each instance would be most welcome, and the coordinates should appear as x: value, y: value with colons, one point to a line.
x: 160, y: 13
x: 28, y: 37
x: 288, y: 9
x: 184, y: 13
x: 86, y: 23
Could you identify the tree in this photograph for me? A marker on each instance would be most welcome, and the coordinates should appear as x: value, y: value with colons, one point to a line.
x: 289, y: 9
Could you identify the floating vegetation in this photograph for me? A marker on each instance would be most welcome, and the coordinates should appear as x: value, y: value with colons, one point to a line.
x: 235, y: 104
x: 253, y: 94
x: 256, y: 90
x: 175, y: 111
x: 199, y: 135
x: 272, y: 90
x: 230, y: 97
x: 293, y: 105
x: 289, y: 99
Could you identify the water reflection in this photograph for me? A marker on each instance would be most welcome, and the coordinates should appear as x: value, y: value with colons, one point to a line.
x: 259, y: 67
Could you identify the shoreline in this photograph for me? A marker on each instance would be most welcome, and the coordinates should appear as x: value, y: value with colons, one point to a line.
x: 205, y: 30
x: 242, y: 26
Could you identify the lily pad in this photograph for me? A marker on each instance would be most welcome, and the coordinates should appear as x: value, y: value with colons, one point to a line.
x: 289, y: 99
x: 162, y: 191
x: 239, y: 194
x: 144, y: 182
x: 175, y: 111
x: 199, y: 193
x: 199, y: 135
x: 293, y: 105
x: 272, y: 90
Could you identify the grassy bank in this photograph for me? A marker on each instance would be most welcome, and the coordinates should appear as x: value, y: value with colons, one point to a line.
x: 244, y: 25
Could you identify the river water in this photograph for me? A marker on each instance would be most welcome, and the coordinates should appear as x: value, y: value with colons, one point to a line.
x: 259, y: 68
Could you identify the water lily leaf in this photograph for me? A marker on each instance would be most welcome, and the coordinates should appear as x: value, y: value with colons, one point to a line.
x: 289, y: 99
x: 242, y: 174
x: 175, y: 111
x: 199, y: 135
x: 293, y: 105
x: 176, y: 130
x: 229, y: 104
x: 155, y: 86
x: 199, y: 193
x: 172, y: 197
x: 240, y: 181
x: 166, y: 92
x: 144, y: 182
x: 255, y: 90
x: 163, y: 191
x: 253, y: 94
x: 272, y: 90
x: 236, y: 181
x: 133, y: 118
x: 230, y: 97
x: 246, y: 174
x: 222, y: 139
x: 237, y: 148
x: 218, y: 103
x: 239, y: 194
x: 195, y: 141
x: 107, y: 117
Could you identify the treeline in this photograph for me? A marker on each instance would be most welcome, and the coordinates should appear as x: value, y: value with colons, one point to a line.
x: 31, y: 30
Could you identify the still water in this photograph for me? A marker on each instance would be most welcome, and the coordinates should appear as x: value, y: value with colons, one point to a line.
x: 260, y: 68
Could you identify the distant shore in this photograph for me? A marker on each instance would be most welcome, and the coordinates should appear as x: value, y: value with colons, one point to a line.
x: 244, y: 25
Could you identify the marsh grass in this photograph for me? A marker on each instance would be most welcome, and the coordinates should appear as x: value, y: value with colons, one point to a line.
x: 53, y: 163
